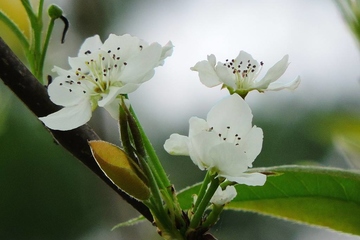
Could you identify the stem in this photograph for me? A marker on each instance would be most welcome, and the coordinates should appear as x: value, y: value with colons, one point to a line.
x: 202, y: 191
x: 195, y: 221
x: 213, y: 216
x: 46, y: 44
x: 155, y: 162
x: 16, y: 30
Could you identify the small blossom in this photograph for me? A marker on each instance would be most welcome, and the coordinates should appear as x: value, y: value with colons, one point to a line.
x: 239, y: 75
x: 100, y: 73
x: 222, y: 197
x: 226, y: 143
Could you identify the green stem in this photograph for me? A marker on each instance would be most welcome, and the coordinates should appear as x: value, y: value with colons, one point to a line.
x: 198, y: 214
x: 35, y: 44
x: 45, y: 47
x: 15, y: 29
x: 202, y: 191
x: 213, y: 216
x: 155, y: 162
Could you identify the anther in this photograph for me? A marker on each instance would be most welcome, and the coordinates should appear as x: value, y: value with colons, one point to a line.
x: 87, y: 52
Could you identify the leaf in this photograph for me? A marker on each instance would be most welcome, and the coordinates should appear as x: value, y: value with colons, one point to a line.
x: 325, y: 197
x: 130, y: 222
x: 118, y: 167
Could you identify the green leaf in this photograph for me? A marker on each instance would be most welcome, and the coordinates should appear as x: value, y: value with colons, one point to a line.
x: 325, y: 197
x: 118, y: 167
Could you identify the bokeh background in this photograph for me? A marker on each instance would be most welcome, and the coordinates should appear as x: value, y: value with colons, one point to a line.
x: 45, y: 193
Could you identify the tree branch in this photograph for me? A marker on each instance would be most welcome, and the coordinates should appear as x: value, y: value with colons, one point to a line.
x: 20, y: 80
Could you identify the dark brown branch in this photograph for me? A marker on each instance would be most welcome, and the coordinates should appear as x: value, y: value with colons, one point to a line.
x: 20, y: 80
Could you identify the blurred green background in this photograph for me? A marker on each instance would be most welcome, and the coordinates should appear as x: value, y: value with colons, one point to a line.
x: 48, y: 194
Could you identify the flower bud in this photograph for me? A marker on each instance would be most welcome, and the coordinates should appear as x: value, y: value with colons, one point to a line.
x: 55, y: 11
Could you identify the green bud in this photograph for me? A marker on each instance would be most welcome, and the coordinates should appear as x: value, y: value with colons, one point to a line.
x: 55, y: 11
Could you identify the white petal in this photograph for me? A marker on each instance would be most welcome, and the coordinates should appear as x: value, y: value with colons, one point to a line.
x: 61, y: 71
x: 90, y: 45
x: 69, y: 117
x: 225, y: 75
x: 66, y: 94
x: 273, y: 73
x: 244, y: 57
x: 113, y: 108
x: 108, y: 98
x: 222, y: 197
x: 250, y: 179
x: 77, y: 63
x: 276, y: 86
x: 212, y: 59
x: 177, y: 145
x: 231, y: 112
x: 147, y: 76
x: 128, y: 88
x: 128, y: 46
x: 197, y: 125
x: 199, y: 149
x: 227, y: 159
x: 139, y: 65
x: 166, y: 51
x: 251, y: 143
x: 207, y: 73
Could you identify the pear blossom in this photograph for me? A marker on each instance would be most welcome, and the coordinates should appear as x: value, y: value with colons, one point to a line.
x: 222, y: 197
x: 225, y: 143
x: 239, y: 75
x: 99, y: 75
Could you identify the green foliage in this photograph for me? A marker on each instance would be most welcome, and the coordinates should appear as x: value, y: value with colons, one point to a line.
x: 324, y: 197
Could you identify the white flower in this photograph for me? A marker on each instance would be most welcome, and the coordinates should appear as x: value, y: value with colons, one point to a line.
x: 225, y: 144
x: 222, y: 197
x: 239, y: 74
x: 100, y: 73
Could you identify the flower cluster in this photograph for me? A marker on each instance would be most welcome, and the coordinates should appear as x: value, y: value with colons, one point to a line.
x: 100, y: 73
x: 239, y: 75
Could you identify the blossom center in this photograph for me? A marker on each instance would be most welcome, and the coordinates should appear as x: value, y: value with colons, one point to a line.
x: 245, y: 71
x: 228, y: 135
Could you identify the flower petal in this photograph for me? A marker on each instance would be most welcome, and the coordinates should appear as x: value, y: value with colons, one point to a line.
x: 139, y: 65
x: 225, y: 75
x: 110, y: 96
x: 177, y: 145
x: 276, y: 86
x: 250, y: 179
x: 273, y: 73
x: 245, y: 58
x: 207, y: 73
x: 252, y: 144
x: 197, y: 125
x: 124, y: 46
x: 222, y: 197
x: 69, y: 117
x: 90, y: 45
x: 113, y: 108
x: 166, y: 51
x: 65, y: 92
x: 232, y: 111
x: 227, y: 159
